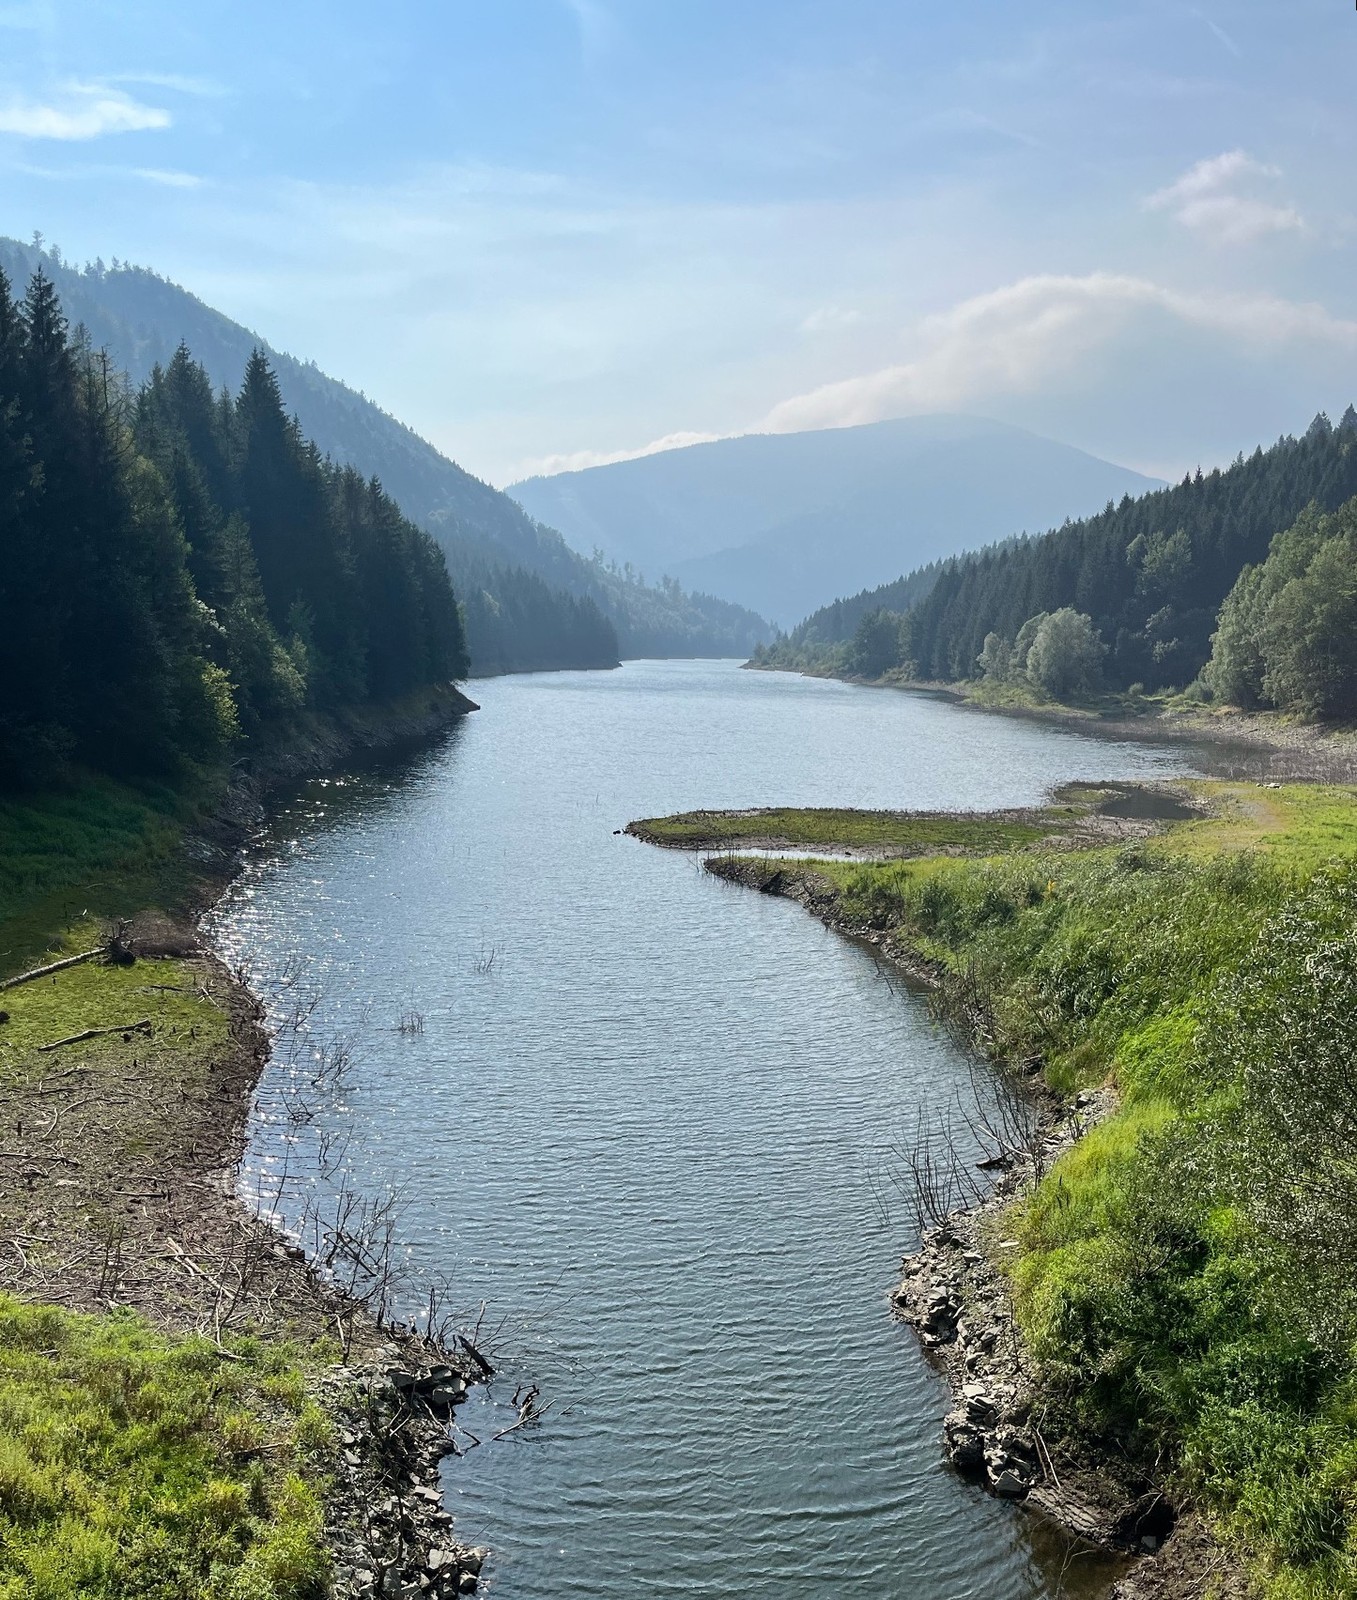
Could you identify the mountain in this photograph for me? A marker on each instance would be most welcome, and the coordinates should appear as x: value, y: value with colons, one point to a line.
x: 781, y: 522
x: 1149, y: 574
x: 141, y: 319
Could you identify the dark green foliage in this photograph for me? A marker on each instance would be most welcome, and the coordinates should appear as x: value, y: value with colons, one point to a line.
x: 1151, y: 573
x: 817, y: 643
x: 175, y: 568
x: 1288, y: 629
x: 875, y: 648
x: 517, y: 623
x: 142, y: 318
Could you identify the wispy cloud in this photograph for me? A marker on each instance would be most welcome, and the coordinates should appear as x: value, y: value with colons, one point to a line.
x: 581, y: 460
x: 1032, y: 334
x: 1220, y: 34
x: 830, y: 319
x: 176, y: 82
x: 78, y: 111
x: 596, y: 24
x: 1213, y: 198
x: 166, y: 177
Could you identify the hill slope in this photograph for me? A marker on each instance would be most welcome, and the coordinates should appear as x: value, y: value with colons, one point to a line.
x: 781, y: 522
x: 1151, y: 573
x: 141, y: 319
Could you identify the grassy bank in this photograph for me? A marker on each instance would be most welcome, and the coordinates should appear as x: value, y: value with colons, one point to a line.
x: 135, y: 1464
x: 1184, y: 1274
x: 158, y: 1345
x: 156, y: 1438
x: 92, y: 847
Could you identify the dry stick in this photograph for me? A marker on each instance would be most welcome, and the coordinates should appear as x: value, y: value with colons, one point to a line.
x: 54, y: 966
x: 144, y: 1026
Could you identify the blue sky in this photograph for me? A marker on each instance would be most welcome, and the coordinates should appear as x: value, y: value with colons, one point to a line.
x: 552, y: 231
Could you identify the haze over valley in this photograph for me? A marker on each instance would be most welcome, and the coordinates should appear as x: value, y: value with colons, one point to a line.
x: 678, y: 800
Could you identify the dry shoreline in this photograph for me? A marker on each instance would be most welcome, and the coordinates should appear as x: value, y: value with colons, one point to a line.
x: 1263, y: 744
x: 118, y: 1183
x: 957, y: 1300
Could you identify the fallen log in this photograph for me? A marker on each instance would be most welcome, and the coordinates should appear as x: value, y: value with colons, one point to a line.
x: 144, y: 1026
x: 52, y: 966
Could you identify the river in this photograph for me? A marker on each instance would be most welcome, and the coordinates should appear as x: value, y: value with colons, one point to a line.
x: 648, y: 1121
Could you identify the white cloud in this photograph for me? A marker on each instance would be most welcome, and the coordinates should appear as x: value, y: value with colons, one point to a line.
x: 80, y: 111
x: 167, y: 178
x: 1030, y: 335
x: 1208, y: 199
x: 579, y: 460
x: 830, y: 319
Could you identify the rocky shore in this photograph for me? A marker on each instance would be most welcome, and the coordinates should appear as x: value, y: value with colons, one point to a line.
x: 955, y: 1295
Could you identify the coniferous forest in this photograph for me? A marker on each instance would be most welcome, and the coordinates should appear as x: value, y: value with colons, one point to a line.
x: 183, y: 568
x: 1149, y: 577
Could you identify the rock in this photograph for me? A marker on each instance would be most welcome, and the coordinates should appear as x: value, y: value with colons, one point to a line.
x: 965, y: 1443
x: 468, y: 1583
x: 473, y: 1560
x: 439, y: 1559
x: 1010, y: 1485
x: 445, y: 1397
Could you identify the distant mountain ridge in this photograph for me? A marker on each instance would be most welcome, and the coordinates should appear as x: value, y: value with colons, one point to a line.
x: 783, y: 522
x: 141, y: 318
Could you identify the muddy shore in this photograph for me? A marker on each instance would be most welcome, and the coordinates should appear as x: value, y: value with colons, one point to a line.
x: 118, y: 1165
x: 954, y: 1294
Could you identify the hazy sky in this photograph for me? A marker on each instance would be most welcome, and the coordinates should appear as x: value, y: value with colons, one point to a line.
x: 547, y: 231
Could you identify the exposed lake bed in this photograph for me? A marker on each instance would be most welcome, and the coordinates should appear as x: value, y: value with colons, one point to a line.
x: 648, y: 1121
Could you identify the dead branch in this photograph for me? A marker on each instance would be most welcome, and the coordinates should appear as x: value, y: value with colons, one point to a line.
x: 144, y: 1026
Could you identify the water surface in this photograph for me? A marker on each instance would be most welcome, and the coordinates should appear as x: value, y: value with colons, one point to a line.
x: 649, y: 1121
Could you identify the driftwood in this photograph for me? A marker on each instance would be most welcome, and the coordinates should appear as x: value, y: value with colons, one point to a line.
x: 144, y: 1026
x: 475, y: 1355
x: 54, y: 966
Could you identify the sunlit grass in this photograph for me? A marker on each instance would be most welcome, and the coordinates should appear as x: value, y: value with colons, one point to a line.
x: 135, y: 1464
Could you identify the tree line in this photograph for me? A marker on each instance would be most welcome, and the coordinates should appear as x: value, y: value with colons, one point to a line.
x: 179, y: 568
x: 1153, y: 584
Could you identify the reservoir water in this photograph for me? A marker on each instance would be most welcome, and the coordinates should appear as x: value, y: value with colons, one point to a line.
x: 648, y: 1121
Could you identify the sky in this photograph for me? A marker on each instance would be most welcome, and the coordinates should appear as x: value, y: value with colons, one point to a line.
x: 548, y: 233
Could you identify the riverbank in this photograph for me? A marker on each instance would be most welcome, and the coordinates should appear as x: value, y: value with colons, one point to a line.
x: 1283, y: 748
x: 1176, y: 1327
x: 247, y: 1429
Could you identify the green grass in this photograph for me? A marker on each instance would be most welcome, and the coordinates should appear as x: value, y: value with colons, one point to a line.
x: 94, y: 846
x: 136, y: 1465
x: 1181, y: 1302
x: 901, y: 832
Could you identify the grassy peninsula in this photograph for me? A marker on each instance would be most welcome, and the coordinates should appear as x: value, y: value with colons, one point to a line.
x: 1182, y: 1274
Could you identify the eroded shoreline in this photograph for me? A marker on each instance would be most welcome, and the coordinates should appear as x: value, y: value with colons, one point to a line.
x: 128, y: 1082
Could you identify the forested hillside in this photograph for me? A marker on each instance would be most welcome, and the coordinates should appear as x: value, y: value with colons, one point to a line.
x: 178, y: 569
x: 1151, y: 573
x: 141, y: 319
x: 1148, y: 576
x: 820, y: 643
